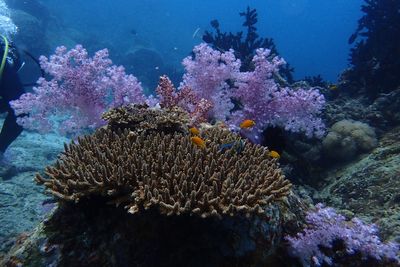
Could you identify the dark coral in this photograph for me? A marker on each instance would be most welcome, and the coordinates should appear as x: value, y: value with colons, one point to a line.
x: 245, y: 46
x: 149, y: 169
x: 92, y: 233
x: 316, y: 81
x: 139, y: 118
x: 375, y: 57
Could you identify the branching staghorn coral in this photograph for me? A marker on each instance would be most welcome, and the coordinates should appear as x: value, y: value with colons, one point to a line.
x: 141, y: 170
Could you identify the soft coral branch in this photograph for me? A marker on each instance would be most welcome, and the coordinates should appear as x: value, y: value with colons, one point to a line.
x: 169, y: 96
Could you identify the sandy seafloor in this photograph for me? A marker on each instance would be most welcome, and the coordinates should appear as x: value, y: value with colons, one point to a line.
x: 21, y: 207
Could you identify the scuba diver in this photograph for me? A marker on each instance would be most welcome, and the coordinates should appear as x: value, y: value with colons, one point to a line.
x: 11, y: 88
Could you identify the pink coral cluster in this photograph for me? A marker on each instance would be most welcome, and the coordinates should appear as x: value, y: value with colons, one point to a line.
x: 184, y: 98
x: 325, y: 226
x: 269, y: 104
x: 217, y: 77
x: 81, y: 89
x: 208, y: 74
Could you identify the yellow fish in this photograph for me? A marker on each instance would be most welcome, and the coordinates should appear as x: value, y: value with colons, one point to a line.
x: 333, y: 87
x: 194, y: 131
x: 198, y: 141
x: 246, y: 124
x: 274, y: 154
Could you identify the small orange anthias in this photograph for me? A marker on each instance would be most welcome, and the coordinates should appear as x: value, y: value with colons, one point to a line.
x: 247, y: 124
x: 194, y: 131
x: 198, y: 141
x: 274, y: 154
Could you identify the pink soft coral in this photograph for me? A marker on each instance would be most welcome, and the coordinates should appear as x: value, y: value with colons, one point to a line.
x: 208, y: 73
x: 185, y: 98
x: 81, y: 89
x: 263, y: 100
x: 216, y: 77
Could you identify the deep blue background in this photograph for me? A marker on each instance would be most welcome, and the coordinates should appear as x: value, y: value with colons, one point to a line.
x: 310, y: 34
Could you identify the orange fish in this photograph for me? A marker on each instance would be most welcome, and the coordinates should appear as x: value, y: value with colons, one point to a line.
x: 246, y: 124
x: 274, y: 154
x: 198, y: 141
x: 194, y: 131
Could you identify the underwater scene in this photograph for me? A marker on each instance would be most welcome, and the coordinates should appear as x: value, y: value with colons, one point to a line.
x: 199, y: 133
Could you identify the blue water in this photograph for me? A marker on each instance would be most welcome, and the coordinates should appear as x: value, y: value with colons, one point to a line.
x: 310, y: 34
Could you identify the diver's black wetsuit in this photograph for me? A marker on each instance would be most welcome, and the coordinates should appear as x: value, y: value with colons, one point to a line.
x: 11, y: 88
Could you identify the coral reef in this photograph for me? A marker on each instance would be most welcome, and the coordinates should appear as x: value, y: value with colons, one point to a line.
x: 292, y: 109
x: 348, y: 138
x: 316, y: 80
x: 185, y: 98
x: 142, y: 170
x: 210, y: 73
x: 228, y: 205
x: 215, y: 76
x: 381, y: 114
x: 368, y: 186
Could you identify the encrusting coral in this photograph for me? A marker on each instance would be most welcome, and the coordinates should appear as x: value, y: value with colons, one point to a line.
x: 140, y: 118
x: 347, y: 138
x: 144, y: 169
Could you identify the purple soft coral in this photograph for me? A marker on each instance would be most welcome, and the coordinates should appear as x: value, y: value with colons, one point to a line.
x: 325, y: 226
x: 207, y: 74
x: 269, y: 104
x: 80, y: 91
x: 216, y: 77
x: 185, y: 98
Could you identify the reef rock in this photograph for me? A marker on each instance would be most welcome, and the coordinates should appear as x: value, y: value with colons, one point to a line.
x: 369, y: 187
x: 31, y: 34
x: 348, y: 138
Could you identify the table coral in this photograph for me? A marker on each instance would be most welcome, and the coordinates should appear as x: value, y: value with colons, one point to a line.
x: 142, y: 170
